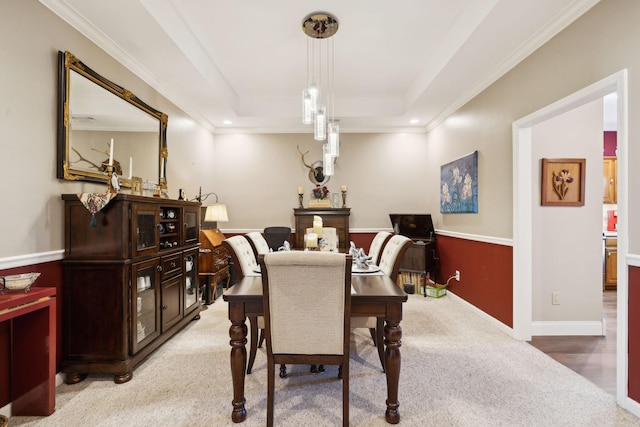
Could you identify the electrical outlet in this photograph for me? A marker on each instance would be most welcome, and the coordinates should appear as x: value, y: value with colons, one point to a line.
x: 555, y: 298
x: 458, y: 275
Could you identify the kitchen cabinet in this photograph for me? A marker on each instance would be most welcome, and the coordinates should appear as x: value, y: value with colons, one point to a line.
x: 130, y: 281
x: 609, y: 171
x: 610, y: 262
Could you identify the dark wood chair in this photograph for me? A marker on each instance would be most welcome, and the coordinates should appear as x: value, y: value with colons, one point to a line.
x: 389, y: 262
x: 314, y: 288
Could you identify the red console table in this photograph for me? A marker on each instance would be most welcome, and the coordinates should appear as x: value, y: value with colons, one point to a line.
x: 33, y: 349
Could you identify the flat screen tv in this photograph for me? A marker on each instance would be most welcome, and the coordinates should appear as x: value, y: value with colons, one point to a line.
x: 414, y: 226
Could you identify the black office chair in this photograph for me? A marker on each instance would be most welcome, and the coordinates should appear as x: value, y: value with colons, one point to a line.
x: 276, y: 236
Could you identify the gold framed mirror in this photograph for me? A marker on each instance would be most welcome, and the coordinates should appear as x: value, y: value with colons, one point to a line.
x: 95, y: 113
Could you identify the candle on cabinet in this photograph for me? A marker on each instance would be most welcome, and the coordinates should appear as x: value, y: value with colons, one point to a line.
x: 111, y: 153
x: 343, y: 188
x: 312, y: 240
x: 300, y: 190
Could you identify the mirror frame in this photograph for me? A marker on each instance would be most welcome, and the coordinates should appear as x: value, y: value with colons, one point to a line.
x: 68, y: 62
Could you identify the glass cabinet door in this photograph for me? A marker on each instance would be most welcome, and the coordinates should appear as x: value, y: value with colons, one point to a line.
x: 191, y: 220
x: 145, y: 301
x: 145, y: 229
x: 191, y: 284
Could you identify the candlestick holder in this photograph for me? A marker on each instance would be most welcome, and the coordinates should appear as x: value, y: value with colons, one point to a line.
x: 300, y: 196
x: 344, y: 199
x: 113, y: 185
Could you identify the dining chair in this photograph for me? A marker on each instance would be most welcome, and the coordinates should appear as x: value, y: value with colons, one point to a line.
x: 377, y: 245
x: 276, y: 236
x: 302, y: 290
x: 258, y: 243
x: 245, y: 264
x: 390, y: 260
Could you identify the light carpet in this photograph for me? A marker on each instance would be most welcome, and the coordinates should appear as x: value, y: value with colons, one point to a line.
x: 457, y: 370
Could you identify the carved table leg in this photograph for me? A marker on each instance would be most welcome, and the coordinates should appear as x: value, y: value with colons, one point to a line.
x: 392, y: 341
x: 238, y: 335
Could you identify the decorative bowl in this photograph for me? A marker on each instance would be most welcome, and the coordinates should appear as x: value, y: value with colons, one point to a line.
x: 19, y: 281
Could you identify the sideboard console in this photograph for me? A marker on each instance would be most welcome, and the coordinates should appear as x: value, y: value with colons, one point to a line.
x: 338, y: 218
x: 130, y: 281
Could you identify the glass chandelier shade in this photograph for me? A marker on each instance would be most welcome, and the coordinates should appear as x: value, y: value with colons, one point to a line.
x: 333, y: 138
x: 315, y: 110
x: 327, y: 160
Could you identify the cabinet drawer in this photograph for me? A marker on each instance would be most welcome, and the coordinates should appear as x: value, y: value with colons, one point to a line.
x: 171, y: 265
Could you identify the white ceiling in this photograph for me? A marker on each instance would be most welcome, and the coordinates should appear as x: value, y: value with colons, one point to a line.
x: 245, y: 61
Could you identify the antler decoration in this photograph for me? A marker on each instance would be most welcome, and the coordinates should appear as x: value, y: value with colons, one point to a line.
x: 317, y: 172
x: 102, y: 168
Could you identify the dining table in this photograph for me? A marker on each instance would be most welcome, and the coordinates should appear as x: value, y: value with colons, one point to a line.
x: 372, y: 295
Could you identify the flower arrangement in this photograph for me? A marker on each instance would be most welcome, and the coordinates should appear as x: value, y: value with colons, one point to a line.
x: 320, y: 192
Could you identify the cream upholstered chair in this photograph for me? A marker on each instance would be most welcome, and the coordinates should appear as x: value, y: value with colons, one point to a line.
x: 377, y: 245
x: 389, y: 264
x: 301, y: 291
x: 245, y: 264
x: 258, y: 243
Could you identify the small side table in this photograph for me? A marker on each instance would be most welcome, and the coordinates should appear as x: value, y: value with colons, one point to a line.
x: 33, y: 349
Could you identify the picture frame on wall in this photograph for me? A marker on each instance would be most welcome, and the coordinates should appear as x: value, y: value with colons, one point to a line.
x: 563, y: 182
x: 459, y: 185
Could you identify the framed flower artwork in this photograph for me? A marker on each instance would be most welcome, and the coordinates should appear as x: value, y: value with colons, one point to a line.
x: 563, y: 182
x: 459, y: 185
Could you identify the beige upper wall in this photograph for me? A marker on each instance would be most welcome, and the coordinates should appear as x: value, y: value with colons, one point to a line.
x: 386, y: 172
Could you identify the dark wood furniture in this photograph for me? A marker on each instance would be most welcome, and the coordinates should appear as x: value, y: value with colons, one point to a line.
x: 214, y: 265
x: 32, y: 350
x: 338, y: 218
x: 130, y: 281
x: 375, y: 296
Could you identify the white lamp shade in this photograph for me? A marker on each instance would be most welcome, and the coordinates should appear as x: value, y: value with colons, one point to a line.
x: 217, y: 213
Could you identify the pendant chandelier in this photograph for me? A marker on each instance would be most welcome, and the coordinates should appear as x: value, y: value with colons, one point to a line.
x: 317, y: 97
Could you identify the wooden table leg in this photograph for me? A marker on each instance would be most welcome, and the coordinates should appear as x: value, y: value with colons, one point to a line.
x: 238, y: 335
x: 392, y: 341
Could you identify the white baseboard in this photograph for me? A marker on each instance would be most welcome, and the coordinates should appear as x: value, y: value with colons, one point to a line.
x: 495, y: 322
x: 549, y: 328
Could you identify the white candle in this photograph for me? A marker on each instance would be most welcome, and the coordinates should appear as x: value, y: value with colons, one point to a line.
x: 111, y: 153
x: 343, y: 188
x: 317, y: 228
x: 300, y: 190
x: 161, y: 167
x: 312, y: 240
x: 130, y: 167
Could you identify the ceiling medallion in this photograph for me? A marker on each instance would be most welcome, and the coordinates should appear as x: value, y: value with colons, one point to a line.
x: 320, y: 25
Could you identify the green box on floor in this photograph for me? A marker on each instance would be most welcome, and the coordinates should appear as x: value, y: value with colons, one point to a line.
x: 435, y: 290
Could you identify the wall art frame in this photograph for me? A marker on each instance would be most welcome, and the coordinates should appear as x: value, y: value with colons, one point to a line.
x: 459, y: 185
x: 562, y: 182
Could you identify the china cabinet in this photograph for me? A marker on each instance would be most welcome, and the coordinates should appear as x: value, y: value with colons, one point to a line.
x: 130, y: 281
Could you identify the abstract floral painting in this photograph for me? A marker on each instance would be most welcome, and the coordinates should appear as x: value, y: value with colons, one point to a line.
x: 459, y: 185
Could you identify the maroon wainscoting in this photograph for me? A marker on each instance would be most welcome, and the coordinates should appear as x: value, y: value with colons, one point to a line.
x: 51, y: 276
x: 486, y: 274
x: 634, y: 334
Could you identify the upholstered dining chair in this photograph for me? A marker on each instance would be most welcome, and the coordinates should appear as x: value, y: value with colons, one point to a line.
x: 245, y: 264
x: 390, y: 260
x: 301, y: 291
x: 258, y: 243
x: 377, y: 245
x: 276, y: 236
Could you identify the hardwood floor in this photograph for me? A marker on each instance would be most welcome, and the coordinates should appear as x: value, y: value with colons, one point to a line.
x: 592, y: 357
